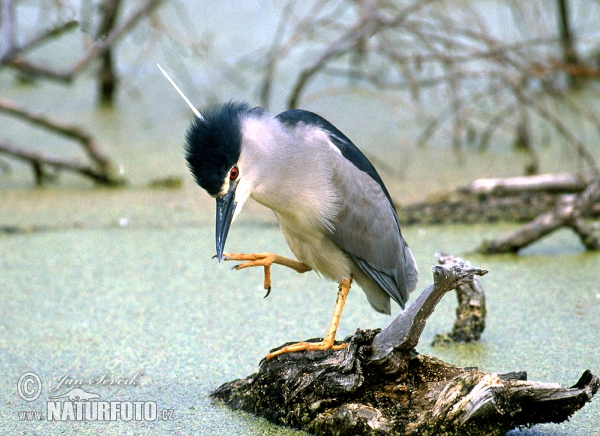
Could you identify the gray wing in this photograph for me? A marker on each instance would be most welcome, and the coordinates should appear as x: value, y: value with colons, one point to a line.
x: 367, y: 229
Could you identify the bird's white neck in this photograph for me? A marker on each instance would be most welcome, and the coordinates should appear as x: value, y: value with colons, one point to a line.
x: 285, y: 172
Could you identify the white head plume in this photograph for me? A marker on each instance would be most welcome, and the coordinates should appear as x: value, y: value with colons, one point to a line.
x: 189, y: 103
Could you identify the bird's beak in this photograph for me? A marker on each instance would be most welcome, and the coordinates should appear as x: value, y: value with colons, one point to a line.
x: 225, y: 210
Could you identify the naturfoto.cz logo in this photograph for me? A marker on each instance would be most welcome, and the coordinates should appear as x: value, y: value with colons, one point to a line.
x: 78, y: 404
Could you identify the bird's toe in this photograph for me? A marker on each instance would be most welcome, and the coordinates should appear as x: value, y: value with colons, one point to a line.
x: 306, y: 346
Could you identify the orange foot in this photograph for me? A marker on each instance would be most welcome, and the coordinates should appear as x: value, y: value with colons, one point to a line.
x: 328, y: 342
x: 265, y: 260
x: 306, y: 346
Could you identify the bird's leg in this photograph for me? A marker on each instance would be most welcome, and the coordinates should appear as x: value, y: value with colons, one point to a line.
x: 266, y: 260
x: 327, y: 342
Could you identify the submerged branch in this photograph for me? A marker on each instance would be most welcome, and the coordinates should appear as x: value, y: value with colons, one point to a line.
x: 40, y: 161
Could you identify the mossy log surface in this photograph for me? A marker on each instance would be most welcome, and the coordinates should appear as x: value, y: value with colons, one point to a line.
x: 379, y: 384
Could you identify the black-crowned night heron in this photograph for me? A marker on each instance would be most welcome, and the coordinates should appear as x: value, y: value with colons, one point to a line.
x: 333, y: 208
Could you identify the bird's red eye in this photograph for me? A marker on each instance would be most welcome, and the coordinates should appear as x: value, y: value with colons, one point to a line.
x: 234, y: 173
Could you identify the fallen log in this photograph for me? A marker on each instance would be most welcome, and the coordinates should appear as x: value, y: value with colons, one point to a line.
x: 517, y: 199
x: 553, y: 183
x: 569, y: 212
x: 379, y: 384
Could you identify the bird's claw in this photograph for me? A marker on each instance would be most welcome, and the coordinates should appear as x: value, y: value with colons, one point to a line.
x: 265, y: 260
x: 261, y: 259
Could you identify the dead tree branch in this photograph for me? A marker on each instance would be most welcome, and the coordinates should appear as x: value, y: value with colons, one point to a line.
x: 99, y: 48
x: 38, y: 39
x: 107, y: 76
x: 40, y: 161
x: 108, y: 34
x: 471, y: 310
x: 390, y: 346
x: 426, y: 53
x: 57, y: 126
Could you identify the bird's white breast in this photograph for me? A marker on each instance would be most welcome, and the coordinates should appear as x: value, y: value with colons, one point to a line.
x: 313, y: 246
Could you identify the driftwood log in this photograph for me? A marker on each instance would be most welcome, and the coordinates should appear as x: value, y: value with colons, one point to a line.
x: 568, y: 212
x: 379, y: 384
x: 550, y: 183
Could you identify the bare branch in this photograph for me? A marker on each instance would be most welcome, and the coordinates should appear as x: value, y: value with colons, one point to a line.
x: 57, y: 126
x: 426, y: 52
x: 558, y: 125
x: 404, y: 332
x: 567, y: 212
x: 98, y: 49
x: 471, y: 310
x: 38, y: 39
x: 107, y: 76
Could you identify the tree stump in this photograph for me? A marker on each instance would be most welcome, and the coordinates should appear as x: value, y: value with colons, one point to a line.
x: 471, y: 310
x: 379, y: 384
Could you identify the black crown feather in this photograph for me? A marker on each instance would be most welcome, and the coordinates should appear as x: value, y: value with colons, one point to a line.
x: 213, y: 144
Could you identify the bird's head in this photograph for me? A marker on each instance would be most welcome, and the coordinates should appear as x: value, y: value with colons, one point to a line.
x: 213, y: 149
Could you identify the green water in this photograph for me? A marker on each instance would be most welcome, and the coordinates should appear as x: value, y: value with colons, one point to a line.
x: 148, y: 296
